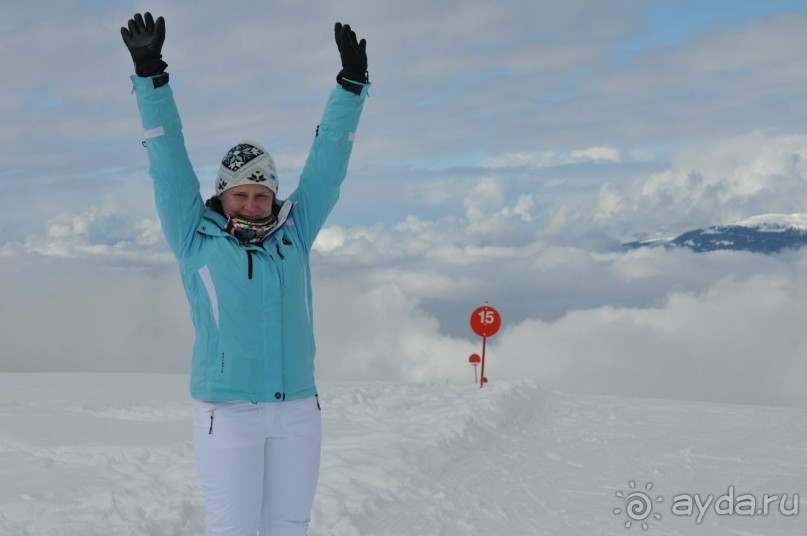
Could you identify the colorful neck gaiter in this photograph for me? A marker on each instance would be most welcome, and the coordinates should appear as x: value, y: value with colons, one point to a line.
x: 250, y: 232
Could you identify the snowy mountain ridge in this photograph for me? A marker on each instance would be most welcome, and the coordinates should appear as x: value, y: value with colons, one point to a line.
x: 766, y: 233
x: 775, y: 221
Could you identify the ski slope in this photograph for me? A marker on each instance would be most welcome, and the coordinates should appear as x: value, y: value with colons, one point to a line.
x: 98, y: 454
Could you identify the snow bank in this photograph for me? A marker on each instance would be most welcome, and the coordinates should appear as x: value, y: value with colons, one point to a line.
x: 99, y: 454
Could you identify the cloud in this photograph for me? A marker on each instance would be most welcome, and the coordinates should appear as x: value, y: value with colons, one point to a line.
x: 687, y: 331
x: 537, y: 160
x: 502, y: 156
x: 77, y: 314
x: 740, y: 341
x: 380, y: 333
x: 714, y: 183
x: 494, y: 75
x: 598, y: 153
x: 104, y: 234
x: 393, y: 303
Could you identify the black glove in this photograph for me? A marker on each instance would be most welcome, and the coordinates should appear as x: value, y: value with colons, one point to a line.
x: 354, y: 58
x: 145, y: 39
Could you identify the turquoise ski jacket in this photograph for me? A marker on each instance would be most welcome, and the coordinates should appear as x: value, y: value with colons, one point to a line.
x: 250, y: 303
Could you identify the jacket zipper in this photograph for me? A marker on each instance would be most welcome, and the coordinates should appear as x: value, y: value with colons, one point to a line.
x: 211, y: 421
x: 249, y: 261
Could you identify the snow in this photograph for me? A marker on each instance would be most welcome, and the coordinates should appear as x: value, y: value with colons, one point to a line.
x: 775, y: 221
x: 656, y: 240
x: 91, y: 454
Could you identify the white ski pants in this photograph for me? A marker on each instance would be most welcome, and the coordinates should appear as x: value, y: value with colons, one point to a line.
x: 258, y: 464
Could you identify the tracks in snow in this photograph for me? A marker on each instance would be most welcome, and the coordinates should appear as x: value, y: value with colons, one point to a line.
x: 443, y: 461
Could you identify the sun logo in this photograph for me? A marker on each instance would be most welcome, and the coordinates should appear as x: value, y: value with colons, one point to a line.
x: 638, y: 505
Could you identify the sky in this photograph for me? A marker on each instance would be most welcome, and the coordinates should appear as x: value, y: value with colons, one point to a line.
x: 505, y: 152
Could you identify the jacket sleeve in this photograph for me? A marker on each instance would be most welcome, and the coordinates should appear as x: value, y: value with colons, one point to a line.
x: 176, y: 188
x: 326, y: 166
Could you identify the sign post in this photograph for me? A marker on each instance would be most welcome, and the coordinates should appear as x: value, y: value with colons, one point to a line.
x: 485, y: 322
x: 475, y: 360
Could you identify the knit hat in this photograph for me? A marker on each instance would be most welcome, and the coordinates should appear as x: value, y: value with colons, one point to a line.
x: 246, y: 163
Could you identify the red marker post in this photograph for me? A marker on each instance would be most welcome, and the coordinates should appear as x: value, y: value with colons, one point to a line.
x: 485, y: 322
x: 475, y: 360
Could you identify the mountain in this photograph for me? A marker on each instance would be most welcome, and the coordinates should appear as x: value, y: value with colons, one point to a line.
x: 767, y: 233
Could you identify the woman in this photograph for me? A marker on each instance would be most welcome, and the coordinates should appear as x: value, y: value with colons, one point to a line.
x: 244, y: 261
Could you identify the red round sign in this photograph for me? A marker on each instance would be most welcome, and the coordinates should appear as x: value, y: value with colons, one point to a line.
x: 474, y: 359
x: 485, y: 321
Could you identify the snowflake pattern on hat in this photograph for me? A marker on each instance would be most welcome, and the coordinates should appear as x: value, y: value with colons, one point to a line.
x: 240, y: 155
x: 257, y: 176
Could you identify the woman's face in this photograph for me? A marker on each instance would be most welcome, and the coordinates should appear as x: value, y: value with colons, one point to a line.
x: 248, y: 201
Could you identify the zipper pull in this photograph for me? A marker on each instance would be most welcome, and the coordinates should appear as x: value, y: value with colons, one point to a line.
x: 211, y: 421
